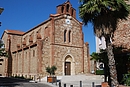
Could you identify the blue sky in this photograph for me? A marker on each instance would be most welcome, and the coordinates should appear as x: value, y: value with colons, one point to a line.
x: 25, y: 14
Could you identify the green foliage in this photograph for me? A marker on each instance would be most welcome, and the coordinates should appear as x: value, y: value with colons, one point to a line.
x: 100, y: 57
x: 48, y: 69
x: 99, y: 72
x: 94, y: 8
x: 126, y: 79
x: 95, y: 56
x: 2, y: 50
x: 3, y: 53
x: 51, y: 70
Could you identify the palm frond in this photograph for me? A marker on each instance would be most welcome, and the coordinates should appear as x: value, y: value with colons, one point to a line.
x: 103, y: 14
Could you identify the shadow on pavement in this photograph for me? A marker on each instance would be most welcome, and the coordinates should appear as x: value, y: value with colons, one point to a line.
x: 10, y: 82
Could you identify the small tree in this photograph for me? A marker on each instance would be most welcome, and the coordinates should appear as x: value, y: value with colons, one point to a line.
x: 51, y: 70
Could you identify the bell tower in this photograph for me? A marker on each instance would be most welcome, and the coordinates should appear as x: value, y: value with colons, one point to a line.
x: 66, y: 8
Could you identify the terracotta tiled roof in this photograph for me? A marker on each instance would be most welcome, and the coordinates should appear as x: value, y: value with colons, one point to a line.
x: 15, y: 32
x: 54, y: 15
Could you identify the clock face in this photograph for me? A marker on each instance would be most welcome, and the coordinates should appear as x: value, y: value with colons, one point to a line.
x: 67, y: 21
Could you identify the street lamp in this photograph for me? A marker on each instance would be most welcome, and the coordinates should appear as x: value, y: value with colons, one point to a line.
x: 1, y: 10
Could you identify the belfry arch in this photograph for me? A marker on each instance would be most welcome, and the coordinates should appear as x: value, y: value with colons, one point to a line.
x: 68, y: 65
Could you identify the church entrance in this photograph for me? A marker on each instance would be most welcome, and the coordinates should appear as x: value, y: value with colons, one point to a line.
x: 68, y: 65
x: 67, y: 68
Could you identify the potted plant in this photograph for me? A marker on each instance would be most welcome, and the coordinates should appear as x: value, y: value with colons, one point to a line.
x: 51, y: 70
x: 105, y: 84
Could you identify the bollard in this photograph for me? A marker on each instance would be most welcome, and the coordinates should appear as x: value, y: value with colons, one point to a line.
x: 92, y: 84
x: 71, y: 85
x: 56, y: 81
x: 64, y: 85
x: 59, y: 83
x: 112, y: 85
x: 52, y: 80
x: 34, y: 78
x: 39, y: 79
x: 80, y: 83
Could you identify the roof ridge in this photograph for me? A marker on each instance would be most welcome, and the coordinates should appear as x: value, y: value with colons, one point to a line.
x: 15, y: 32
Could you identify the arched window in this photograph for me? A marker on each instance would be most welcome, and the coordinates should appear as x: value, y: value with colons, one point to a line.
x: 62, y: 9
x: 67, y: 7
x: 65, y: 35
x: 69, y: 36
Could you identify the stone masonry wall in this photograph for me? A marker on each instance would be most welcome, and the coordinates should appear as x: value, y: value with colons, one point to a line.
x: 60, y: 52
x: 74, y: 48
x: 86, y: 58
x: 15, y: 39
x: 14, y: 64
x: 33, y: 33
x: 33, y: 60
x: 45, y: 55
x: 19, y: 61
x: 26, y: 61
x: 122, y: 34
x: 74, y: 27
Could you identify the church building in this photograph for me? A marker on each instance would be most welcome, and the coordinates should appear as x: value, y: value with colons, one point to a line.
x: 57, y: 41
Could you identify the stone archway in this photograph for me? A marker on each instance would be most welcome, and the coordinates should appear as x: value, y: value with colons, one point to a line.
x: 68, y: 66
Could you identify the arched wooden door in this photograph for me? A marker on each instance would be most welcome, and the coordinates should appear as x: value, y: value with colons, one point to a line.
x: 67, y: 68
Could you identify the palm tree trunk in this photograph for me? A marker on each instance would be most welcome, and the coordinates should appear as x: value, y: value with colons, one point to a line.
x: 105, y: 72
x: 111, y: 63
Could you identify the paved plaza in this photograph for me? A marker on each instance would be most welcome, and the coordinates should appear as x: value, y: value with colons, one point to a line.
x: 76, y: 80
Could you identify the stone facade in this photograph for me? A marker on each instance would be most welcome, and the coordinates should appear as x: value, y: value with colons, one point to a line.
x: 57, y: 41
x: 122, y: 34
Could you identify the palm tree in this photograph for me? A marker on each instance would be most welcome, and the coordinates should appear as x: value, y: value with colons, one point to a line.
x: 104, y: 15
